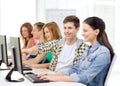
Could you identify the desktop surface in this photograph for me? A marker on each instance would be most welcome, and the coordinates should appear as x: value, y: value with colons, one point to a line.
x: 26, y: 82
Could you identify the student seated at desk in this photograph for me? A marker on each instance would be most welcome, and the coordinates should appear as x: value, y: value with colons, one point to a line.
x: 26, y: 35
x: 92, y: 67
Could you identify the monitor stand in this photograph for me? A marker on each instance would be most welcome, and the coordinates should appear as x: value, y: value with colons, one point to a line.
x: 3, y: 66
x: 8, y: 77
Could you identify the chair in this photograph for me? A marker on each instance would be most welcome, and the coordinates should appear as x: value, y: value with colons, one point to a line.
x: 109, y: 70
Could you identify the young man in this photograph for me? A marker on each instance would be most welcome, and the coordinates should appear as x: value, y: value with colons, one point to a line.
x: 66, y: 51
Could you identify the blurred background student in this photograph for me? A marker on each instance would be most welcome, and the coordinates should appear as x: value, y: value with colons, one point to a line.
x: 38, y: 32
x: 26, y: 35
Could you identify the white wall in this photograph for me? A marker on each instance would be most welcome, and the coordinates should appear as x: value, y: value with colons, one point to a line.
x: 14, y: 13
x: 0, y: 17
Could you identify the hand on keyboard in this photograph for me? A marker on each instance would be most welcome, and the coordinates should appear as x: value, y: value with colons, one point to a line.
x: 33, y: 78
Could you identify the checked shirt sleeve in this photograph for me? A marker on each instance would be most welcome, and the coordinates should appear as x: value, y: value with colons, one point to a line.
x: 47, y: 47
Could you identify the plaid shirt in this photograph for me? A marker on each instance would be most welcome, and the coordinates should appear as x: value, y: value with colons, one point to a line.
x: 56, y: 46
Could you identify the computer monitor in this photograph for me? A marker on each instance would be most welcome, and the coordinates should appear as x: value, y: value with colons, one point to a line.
x: 3, y: 49
x: 16, y: 53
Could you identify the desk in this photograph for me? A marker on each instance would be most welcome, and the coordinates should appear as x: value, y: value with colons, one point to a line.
x: 26, y: 82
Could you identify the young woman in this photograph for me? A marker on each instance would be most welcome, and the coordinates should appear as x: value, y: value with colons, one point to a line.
x: 26, y: 35
x: 92, y: 67
x: 51, y: 32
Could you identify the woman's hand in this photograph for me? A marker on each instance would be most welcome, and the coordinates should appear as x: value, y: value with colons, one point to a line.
x: 51, y: 77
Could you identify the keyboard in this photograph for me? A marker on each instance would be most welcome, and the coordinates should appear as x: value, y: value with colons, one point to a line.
x: 33, y: 78
x: 4, y: 68
x: 26, y: 68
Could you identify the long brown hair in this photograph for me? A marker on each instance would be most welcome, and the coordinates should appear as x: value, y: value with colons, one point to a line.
x: 29, y: 28
x: 98, y: 23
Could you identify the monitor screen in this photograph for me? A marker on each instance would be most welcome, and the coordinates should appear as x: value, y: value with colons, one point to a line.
x: 16, y: 53
x: 3, y: 49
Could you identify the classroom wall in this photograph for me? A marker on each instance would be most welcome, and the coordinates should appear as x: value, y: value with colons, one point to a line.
x: 14, y: 13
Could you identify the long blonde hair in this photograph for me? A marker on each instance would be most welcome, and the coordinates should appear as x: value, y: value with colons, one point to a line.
x: 55, y: 30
